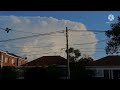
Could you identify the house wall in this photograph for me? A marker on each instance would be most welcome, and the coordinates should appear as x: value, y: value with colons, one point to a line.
x: 112, y: 72
x: 106, y: 74
x: 9, y: 60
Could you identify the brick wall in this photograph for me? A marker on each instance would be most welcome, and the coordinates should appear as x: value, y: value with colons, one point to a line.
x: 9, y: 60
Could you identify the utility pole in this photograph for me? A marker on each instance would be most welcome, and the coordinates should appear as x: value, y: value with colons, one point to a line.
x: 68, y: 67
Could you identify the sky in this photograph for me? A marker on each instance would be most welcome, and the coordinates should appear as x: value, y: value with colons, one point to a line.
x: 51, y: 21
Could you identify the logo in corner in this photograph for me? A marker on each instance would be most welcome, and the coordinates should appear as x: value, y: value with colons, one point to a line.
x: 111, y: 17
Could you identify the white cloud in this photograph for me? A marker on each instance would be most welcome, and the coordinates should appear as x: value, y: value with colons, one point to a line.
x: 15, y: 19
x: 47, y: 44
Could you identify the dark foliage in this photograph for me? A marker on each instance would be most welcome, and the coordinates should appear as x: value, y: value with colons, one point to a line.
x: 74, y: 54
x: 8, y: 72
x: 53, y: 72
x: 113, y: 43
x: 78, y: 69
x: 36, y: 73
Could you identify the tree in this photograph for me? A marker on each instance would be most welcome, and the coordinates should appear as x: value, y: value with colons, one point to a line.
x: 77, y: 66
x: 74, y: 54
x: 78, y: 69
x: 85, y: 61
x: 82, y: 63
x: 77, y: 54
x: 113, y: 43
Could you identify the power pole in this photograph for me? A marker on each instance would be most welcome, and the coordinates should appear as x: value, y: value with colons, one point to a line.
x: 67, y: 53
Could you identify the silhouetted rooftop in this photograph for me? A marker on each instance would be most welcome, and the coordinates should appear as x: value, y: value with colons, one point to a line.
x: 47, y: 60
x: 107, y: 61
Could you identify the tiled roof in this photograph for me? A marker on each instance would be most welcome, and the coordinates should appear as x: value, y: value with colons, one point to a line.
x: 106, y: 61
x: 14, y: 55
x: 47, y: 60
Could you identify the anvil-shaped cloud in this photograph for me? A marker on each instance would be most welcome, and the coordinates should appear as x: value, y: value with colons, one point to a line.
x: 44, y: 45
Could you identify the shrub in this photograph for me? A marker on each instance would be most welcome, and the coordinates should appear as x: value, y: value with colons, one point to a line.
x: 8, y: 72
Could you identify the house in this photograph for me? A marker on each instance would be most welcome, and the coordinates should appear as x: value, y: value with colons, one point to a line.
x: 46, y: 61
x: 9, y: 59
x: 106, y: 68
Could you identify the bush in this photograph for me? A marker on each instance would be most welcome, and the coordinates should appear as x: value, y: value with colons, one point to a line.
x: 79, y: 72
x: 53, y: 72
x: 8, y: 72
x: 37, y: 73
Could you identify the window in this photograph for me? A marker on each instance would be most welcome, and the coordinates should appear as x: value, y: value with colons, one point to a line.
x: 13, y: 61
x: 2, y: 57
x: 99, y: 73
x: 1, y: 61
x: 6, y: 60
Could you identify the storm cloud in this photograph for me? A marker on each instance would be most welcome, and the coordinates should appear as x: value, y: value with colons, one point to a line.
x: 54, y: 44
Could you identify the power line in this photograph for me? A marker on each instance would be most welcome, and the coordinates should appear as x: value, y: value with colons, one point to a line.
x: 24, y: 46
x: 23, y: 31
x: 50, y: 46
x: 53, y: 49
x: 92, y: 51
x: 36, y: 54
x: 42, y: 34
x: 62, y: 31
x: 34, y: 33
x: 56, y: 52
x: 32, y: 36
x: 85, y: 34
x: 39, y: 53
x: 73, y: 30
x: 92, y: 42
x: 91, y: 48
x: 19, y: 30
x: 6, y: 29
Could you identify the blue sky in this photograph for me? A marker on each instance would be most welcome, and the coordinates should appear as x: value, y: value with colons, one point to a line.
x: 93, y: 20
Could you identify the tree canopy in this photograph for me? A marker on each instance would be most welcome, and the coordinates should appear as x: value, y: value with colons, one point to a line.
x: 113, y: 35
x: 74, y: 54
